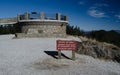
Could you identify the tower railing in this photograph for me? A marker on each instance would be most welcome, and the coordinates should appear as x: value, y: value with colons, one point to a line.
x: 43, y: 16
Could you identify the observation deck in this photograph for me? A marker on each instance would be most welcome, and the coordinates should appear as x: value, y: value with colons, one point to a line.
x: 42, y: 25
x: 34, y: 16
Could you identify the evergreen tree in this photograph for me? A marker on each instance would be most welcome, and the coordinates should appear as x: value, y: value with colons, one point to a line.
x: 71, y: 30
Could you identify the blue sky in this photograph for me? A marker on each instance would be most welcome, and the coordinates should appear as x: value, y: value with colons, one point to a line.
x: 87, y: 14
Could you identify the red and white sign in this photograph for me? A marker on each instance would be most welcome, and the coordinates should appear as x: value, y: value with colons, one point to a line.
x: 66, y: 45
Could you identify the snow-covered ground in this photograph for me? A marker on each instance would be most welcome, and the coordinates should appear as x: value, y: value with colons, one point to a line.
x: 34, y: 56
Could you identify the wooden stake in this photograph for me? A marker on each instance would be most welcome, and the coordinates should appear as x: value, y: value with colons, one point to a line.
x: 59, y: 54
x: 73, y: 55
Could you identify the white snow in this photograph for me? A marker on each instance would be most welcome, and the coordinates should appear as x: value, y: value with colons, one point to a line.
x: 28, y: 57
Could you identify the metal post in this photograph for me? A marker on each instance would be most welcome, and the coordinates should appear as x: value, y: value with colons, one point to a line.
x: 73, y: 55
x: 59, y: 54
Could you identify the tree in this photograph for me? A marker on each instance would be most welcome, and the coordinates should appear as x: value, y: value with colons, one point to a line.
x: 105, y: 36
x: 71, y: 30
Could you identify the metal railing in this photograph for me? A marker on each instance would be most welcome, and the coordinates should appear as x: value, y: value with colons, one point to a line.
x: 50, y: 16
x: 35, y: 15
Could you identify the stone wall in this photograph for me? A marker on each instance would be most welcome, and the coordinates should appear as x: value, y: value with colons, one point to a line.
x: 23, y: 35
x: 42, y: 29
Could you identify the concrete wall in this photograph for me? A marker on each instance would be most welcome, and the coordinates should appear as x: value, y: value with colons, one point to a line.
x: 8, y: 20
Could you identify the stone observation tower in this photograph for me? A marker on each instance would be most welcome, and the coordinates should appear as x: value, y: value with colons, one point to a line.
x: 41, y: 25
x: 38, y: 24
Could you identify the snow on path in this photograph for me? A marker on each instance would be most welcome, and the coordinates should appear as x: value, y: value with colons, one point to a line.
x: 28, y: 57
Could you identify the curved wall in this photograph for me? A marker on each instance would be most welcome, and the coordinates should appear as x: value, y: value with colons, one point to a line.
x: 43, y: 27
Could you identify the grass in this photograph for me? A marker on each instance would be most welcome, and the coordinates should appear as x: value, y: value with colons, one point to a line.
x: 96, y: 49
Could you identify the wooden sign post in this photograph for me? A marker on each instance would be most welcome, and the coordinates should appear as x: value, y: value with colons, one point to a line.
x: 66, y: 45
x: 73, y: 55
x: 59, y: 54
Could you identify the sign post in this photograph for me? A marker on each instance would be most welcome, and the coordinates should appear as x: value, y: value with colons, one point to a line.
x: 59, y: 54
x: 73, y: 55
x: 69, y: 45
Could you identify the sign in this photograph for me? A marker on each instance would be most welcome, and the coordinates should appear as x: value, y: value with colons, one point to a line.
x: 66, y: 45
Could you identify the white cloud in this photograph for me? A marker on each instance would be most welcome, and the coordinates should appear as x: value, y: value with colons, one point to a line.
x: 117, y: 21
x: 101, y: 5
x: 118, y: 16
x: 81, y: 3
x: 96, y: 13
x: 96, y: 10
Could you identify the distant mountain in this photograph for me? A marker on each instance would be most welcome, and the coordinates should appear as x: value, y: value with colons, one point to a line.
x: 87, y: 32
x: 118, y: 31
x: 106, y: 36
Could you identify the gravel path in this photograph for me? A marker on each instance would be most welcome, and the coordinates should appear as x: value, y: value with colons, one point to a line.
x: 32, y: 57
